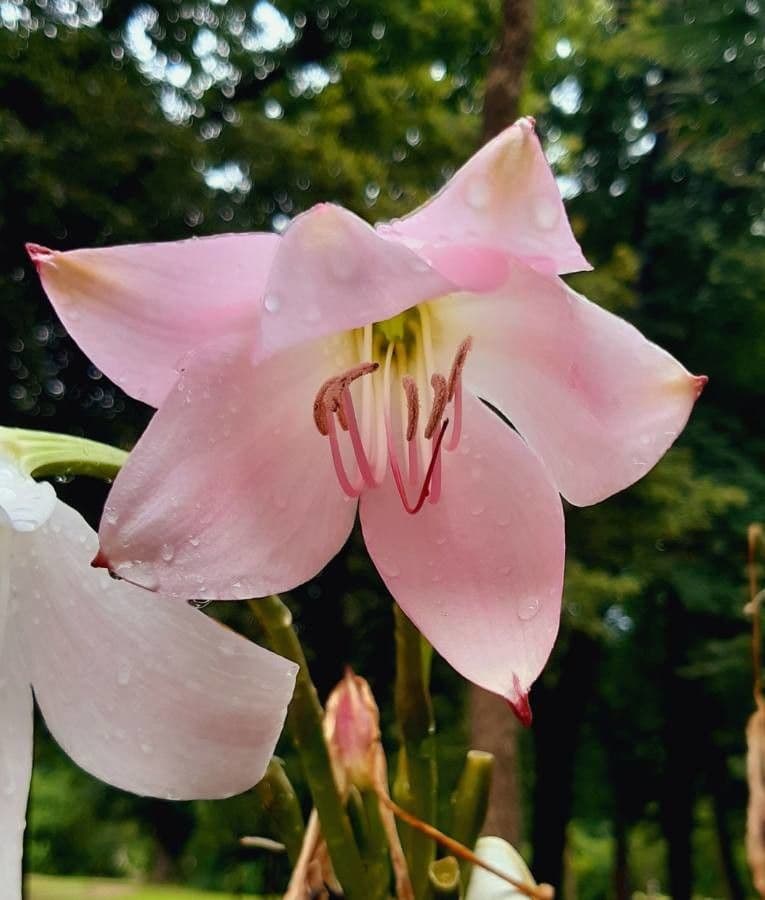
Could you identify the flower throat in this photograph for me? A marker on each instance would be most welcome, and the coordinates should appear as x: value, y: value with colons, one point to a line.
x: 405, y: 409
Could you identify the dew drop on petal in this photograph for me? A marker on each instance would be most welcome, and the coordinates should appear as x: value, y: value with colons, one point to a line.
x: 167, y: 552
x: 124, y: 672
x: 528, y: 609
x: 272, y: 303
x: 478, y: 193
x: 546, y: 213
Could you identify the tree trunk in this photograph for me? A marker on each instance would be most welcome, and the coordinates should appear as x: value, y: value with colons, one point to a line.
x: 558, y: 715
x: 504, y: 81
x: 495, y: 729
x: 492, y: 725
x: 721, y: 796
x: 678, y: 793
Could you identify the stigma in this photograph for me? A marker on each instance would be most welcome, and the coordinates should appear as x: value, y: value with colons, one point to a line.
x: 392, y: 410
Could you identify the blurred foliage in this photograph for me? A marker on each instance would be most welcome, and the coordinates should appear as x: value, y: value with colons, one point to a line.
x: 163, y: 119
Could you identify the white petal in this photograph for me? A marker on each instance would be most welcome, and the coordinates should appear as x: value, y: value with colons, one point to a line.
x: 498, y: 853
x: 15, y: 763
x: 23, y: 502
x: 145, y: 693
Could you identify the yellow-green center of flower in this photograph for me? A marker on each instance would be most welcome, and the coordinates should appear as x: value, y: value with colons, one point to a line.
x: 395, y: 353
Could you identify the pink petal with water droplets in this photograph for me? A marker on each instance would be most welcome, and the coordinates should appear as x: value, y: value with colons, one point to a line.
x: 231, y: 491
x: 505, y: 197
x: 598, y: 402
x: 333, y: 272
x: 480, y: 572
x: 136, y: 309
x: 145, y: 693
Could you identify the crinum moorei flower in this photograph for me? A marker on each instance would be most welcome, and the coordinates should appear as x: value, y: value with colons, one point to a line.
x: 338, y: 366
x: 154, y: 698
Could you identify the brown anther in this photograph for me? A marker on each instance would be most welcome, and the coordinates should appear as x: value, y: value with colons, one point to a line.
x: 330, y: 395
x: 412, y: 406
x: 438, y: 383
x: 459, y: 362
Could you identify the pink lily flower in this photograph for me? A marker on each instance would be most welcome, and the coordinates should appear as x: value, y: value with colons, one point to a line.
x: 343, y: 366
x: 154, y: 698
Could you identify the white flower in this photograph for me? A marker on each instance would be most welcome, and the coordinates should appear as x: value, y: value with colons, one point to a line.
x: 143, y: 692
x: 503, y: 856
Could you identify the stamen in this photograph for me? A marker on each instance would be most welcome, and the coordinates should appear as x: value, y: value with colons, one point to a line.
x: 412, y: 418
x: 455, y: 391
x: 398, y: 479
x: 337, y: 458
x: 435, y: 480
x: 413, y: 406
x: 329, y: 395
x: 438, y: 383
x: 427, y: 337
x: 362, y: 460
x: 459, y: 363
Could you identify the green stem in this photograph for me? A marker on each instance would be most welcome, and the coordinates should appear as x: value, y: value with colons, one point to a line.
x: 304, y: 722
x: 416, y: 780
x: 278, y: 798
x: 444, y: 878
x: 42, y: 453
x: 470, y: 802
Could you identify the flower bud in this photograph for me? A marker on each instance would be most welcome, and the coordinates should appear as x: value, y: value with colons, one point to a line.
x: 352, y: 731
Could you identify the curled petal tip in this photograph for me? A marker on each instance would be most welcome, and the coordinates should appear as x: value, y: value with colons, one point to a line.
x: 522, y: 709
x: 37, y: 253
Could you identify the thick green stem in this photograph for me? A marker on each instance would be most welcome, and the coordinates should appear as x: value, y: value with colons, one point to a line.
x: 42, y: 453
x: 444, y: 879
x: 304, y: 723
x: 416, y: 781
x: 470, y: 802
x: 278, y: 798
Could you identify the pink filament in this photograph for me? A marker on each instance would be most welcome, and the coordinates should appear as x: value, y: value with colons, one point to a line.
x: 337, y: 459
x: 362, y: 459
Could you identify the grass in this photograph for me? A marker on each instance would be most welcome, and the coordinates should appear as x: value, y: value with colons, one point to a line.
x: 48, y: 887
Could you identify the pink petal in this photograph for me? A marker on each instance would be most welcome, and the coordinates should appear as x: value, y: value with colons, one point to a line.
x: 15, y: 762
x: 505, y: 197
x: 333, y: 272
x: 136, y: 309
x: 148, y: 695
x: 480, y: 572
x: 231, y: 492
x: 598, y: 402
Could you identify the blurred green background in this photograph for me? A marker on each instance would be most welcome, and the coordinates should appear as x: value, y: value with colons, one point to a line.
x: 138, y: 121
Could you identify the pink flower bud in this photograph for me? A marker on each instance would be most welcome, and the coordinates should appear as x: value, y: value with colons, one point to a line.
x: 352, y: 730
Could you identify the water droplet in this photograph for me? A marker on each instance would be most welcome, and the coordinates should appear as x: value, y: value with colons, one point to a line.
x: 528, y: 609
x: 147, y: 748
x: 477, y: 510
x: 124, y: 671
x: 194, y: 541
x: 167, y: 552
x: 546, y: 213
x: 226, y: 649
x: 478, y: 193
x: 272, y: 303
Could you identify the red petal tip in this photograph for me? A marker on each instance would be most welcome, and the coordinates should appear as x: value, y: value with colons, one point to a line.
x: 701, y: 383
x: 100, y: 561
x: 38, y: 254
x: 522, y: 709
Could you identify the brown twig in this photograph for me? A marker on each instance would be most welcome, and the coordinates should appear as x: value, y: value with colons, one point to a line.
x: 537, y: 892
